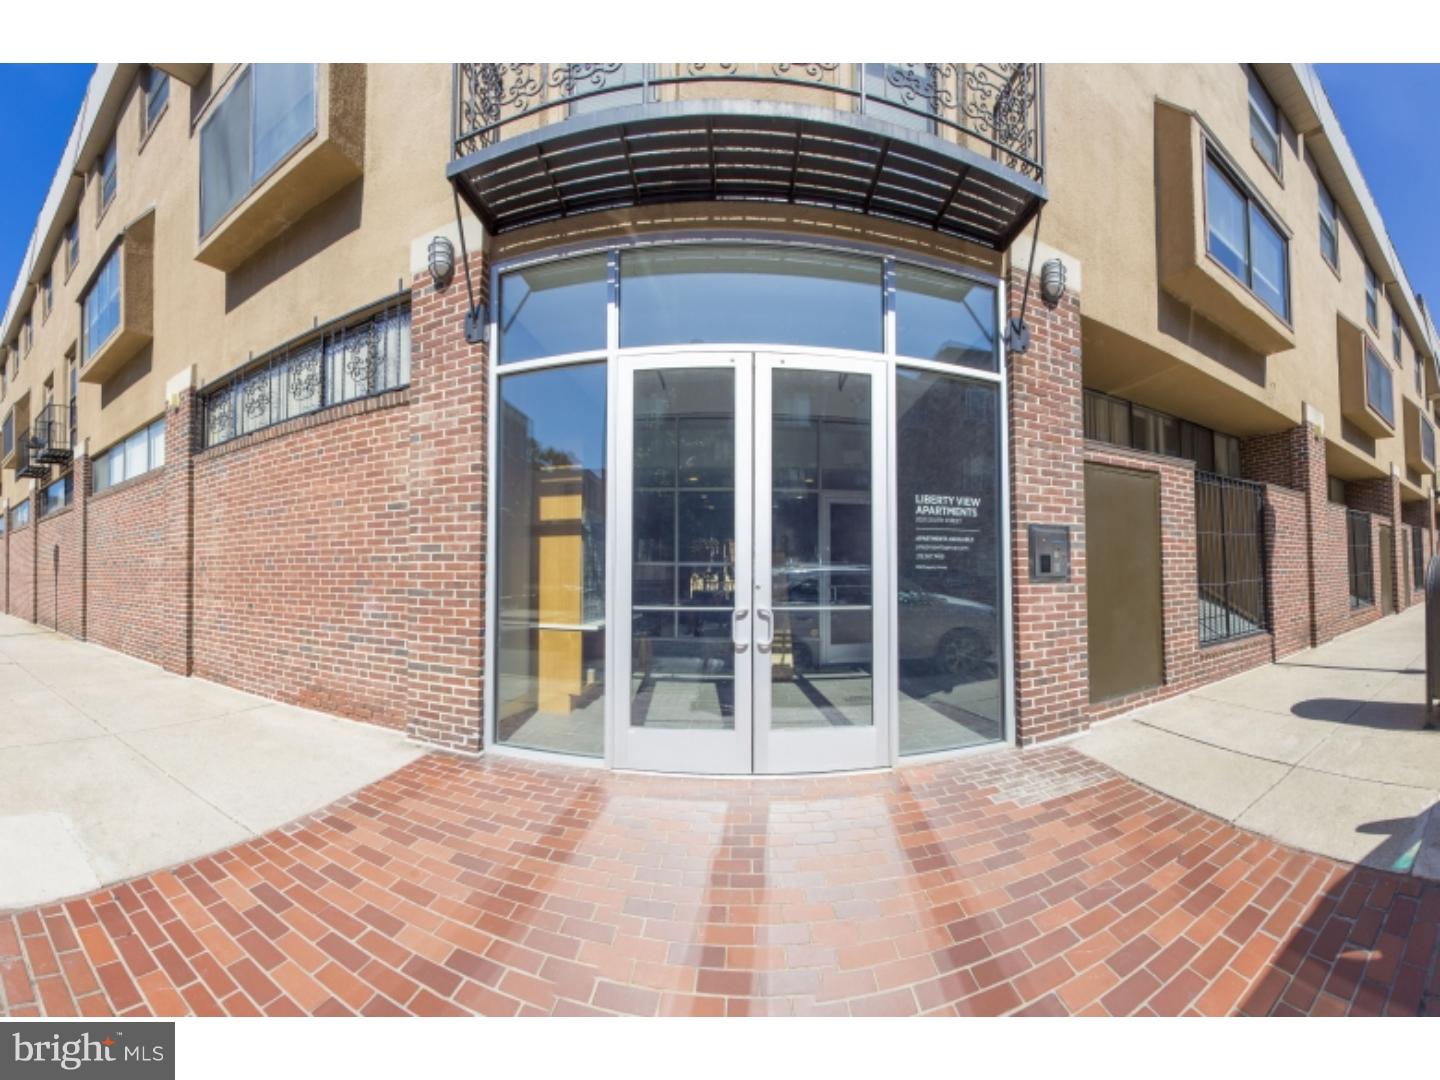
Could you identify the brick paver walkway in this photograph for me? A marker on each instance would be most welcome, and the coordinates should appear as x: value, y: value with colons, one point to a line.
x: 1034, y: 881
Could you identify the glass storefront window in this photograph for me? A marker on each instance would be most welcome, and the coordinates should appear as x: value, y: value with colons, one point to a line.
x: 683, y: 564
x: 944, y: 317
x: 550, y: 560
x: 949, y: 531
x: 725, y: 295
x: 553, y: 309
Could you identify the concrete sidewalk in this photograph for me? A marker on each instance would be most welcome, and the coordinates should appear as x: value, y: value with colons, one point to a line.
x: 1326, y: 751
x: 111, y: 767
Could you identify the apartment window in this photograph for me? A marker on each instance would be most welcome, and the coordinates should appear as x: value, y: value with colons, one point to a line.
x: 7, y: 434
x: 1154, y: 431
x: 27, y: 333
x: 1264, y: 123
x: 1419, y: 372
x: 1379, y: 385
x: 1396, y: 348
x: 1230, y: 560
x: 72, y: 244
x: 1427, y: 442
x: 20, y: 515
x: 74, y: 381
x: 349, y: 359
x: 56, y: 496
x: 47, y: 296
x: 890, y: 93
x: 102, y: 306
x: 142, y: 452
x: 607, y: 86
x: 1372, y: 298
x: 269, y: 112
x: 1116, y: 421
x: 1329, y: 228
x: 1362, y: 587
x: 1244, y: 240
x: 107, y: 174
x: 157, y: 94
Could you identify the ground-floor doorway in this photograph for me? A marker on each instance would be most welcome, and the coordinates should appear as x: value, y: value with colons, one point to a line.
x: 1123, y: 594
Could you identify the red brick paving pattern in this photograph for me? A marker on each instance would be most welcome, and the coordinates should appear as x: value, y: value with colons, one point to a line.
x: 1029, y: 881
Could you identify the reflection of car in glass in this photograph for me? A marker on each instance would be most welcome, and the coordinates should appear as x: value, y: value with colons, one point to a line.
x: 949, y: 634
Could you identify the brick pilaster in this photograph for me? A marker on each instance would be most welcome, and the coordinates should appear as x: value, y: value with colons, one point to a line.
x: 1047, y: 486
x: 446, y: 632
x: 80, y: 482
x: 181, y: 419
x: 1380, y: 497
x: 1295, y: 459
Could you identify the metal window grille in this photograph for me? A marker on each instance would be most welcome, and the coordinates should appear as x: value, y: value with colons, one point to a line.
x: 1230, y: 557
x: 1362, y: 583
x: 346, y: 360
x: 1417, y: 556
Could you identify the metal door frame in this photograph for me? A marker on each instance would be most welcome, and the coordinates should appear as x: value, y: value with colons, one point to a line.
x: 807, y: 749
x: 661, y: 749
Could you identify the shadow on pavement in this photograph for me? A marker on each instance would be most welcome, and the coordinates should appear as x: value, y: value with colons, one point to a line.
x: 1370, y: 946
x: 1382, y: 715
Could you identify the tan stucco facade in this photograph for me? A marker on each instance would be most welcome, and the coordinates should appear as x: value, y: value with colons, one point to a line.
x: 339, y: 222
x: 1164, y: 324
x: 377, y: 161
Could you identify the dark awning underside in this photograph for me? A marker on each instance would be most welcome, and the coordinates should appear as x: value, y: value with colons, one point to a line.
x: 745, y: 151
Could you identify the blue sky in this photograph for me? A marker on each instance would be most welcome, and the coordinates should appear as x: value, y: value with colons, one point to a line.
x: 40, y: 102
x: 1388, y: 112
x: 1385, y: 110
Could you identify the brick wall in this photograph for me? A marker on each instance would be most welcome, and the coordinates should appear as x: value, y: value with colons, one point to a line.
x: 1187, y: 664
x: 131, y: 603
x: 1380, y: 497
x: 446, y: 638
x: 59, y: 571
x: 300, y: 544
x: 20, y: 572
x: 1047, y: 486
x: 1288, y: 569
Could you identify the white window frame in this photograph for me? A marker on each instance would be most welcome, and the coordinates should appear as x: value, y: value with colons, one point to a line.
x: 1329, y: 226
x: 1260, y: 99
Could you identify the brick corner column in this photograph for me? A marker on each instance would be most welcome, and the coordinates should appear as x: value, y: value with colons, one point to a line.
x: 1380, y: 497
x: 182, y: 409
x: 445, y: 637
x: 1047, y: 487
x: 1294, y: 458
x: 80, y: 472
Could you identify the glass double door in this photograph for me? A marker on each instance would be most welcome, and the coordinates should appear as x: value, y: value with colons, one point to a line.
x: 753, y: 564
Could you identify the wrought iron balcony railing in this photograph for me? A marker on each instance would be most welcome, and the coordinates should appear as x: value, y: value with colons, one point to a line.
x: 954, y: 147
x: 50, y: 435
x: 27, y: 464
x: 1000, y: 106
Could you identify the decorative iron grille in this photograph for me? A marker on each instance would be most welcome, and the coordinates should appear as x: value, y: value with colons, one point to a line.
x: 1230, y: 557
x: 1362, y: 570
x: 346, y: 360
x: 1001, y: 106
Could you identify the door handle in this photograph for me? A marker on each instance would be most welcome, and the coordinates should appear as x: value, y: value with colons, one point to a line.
x: 741, y: 643
x: 764, y: 615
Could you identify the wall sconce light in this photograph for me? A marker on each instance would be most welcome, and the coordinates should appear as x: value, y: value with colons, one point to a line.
x: 442, y: 260
x: 1052, y: 282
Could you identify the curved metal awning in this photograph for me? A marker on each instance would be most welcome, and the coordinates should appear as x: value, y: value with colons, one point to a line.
x: 731, y: 150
